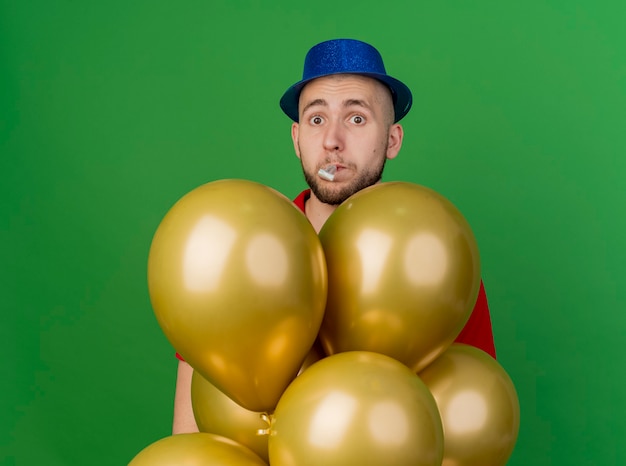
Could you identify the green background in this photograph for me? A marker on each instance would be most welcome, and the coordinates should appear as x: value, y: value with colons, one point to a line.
x: 111, y: 111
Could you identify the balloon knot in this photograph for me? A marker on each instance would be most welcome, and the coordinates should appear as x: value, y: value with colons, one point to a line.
x: 267, y: 418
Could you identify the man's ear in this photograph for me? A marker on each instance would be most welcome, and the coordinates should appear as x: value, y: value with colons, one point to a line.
x: 394, y: 143
x: 294, y: 137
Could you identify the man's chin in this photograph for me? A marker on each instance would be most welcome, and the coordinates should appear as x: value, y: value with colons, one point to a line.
x: 332, y: 196
x: 335, y: 193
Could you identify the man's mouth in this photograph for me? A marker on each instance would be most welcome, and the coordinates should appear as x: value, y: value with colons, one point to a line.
x: 328, y: 172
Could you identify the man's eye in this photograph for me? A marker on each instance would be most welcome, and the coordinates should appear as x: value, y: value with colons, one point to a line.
x: 316, y: 120
x: 357, y: 120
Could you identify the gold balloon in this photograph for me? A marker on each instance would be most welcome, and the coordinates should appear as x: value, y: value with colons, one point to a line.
x: 403, y: 273
x: 356, y: 408
x: 237, y: 280
x: 197, y: 449
x: 478, y: 405
x: 216, y: 413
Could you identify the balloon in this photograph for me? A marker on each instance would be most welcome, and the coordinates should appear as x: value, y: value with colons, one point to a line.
x: 403, y: 273
x: 478, y: 405
x: 216, y: 413
x: 197, y: 449
x: 356, y: 408
x: 238, y: 283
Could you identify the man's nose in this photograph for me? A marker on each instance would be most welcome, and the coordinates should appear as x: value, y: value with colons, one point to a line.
x: 334, y: 136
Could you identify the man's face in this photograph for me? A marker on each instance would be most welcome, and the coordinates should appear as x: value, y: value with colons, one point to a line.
x: 345, y: 121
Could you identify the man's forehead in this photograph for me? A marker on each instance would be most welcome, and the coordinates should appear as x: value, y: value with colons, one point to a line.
x: 356, y: 86
x: 344, y: 78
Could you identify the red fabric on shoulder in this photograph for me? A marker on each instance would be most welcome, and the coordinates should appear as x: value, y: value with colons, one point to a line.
x: 478, y: 331
x: 301, y: 199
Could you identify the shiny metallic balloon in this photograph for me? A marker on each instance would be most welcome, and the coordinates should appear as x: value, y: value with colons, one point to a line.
x: 238, y: 283
x: 216, y: 413
x: 403, y: 273
x: 356, y: 408
x: 478, y: 404
x: 197, y: 449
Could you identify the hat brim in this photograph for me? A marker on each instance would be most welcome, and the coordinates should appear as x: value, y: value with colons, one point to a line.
x: 400, y: 94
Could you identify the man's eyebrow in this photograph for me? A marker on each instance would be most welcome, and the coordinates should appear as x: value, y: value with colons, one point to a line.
x: 356, y: 102
x: 314, y: 103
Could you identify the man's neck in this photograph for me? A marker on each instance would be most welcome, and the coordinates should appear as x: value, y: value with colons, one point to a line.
x: 317, y: 212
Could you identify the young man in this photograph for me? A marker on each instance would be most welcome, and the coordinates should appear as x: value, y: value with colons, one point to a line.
x: 345, y: 114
